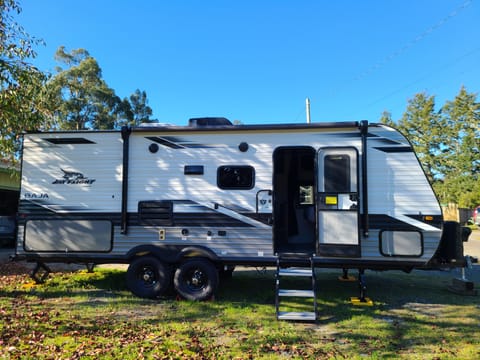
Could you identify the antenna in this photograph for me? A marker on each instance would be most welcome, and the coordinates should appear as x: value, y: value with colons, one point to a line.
x: 307, y: 105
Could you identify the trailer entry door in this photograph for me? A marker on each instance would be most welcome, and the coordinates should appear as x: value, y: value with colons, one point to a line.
x: 294, y: 189
x: 337, y: 202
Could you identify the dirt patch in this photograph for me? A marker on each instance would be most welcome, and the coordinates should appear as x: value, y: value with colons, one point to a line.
x: 425, y: 309
x: 13, y: 268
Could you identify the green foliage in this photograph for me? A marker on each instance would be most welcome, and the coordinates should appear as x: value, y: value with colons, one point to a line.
x: 386, y: 118
x: 462, y: 190
x: 22, y: 97
x: 81, y: 98
x: 136, y: 109
x: 447, y: 143
x: 462, y: 118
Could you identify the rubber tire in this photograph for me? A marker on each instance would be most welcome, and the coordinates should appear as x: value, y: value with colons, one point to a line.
x: 196, y: 279
x: 148, y: 277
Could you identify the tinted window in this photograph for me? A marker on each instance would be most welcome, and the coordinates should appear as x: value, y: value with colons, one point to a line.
x: 235, y: 177
x: 337, y: 173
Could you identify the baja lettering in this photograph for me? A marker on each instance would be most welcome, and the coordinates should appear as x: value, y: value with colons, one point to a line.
x: 35, y: 196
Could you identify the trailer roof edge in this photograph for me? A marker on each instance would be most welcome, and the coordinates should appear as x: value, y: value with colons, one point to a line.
x: 289, y: 126
x: 249, y: 127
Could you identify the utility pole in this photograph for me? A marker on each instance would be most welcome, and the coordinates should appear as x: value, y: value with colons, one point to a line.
x: 307, y: 104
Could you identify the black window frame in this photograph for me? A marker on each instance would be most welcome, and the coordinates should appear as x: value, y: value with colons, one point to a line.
x: 416, y: 255
x: 238, y: 185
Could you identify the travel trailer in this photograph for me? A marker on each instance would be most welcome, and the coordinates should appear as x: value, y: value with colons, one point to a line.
x: 183, y: 204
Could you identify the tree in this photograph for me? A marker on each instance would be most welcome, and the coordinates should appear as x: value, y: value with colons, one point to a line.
x: 22, y: 97
x: 462, y: 116
x: 386, y: 118
x: 81, y: 98
x: 461, y: 183
x: 447, y: 143
x: 136, y: 109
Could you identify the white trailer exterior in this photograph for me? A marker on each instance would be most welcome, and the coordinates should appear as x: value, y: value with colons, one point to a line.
x: 171, y: 199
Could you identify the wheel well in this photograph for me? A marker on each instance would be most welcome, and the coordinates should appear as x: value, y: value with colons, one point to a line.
x: 172, y: 254
x: 197, y: 252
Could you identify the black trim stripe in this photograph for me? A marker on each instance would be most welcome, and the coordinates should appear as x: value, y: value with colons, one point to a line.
x: 29, y: 210
x: 386, y: 222
x: 200, y: 146
x: 165, y: 142
x: 385, y: 141
x: 395, y: 149
x: 264, y: 218
x: 68, y: 141
x: 206, y: 219
x: 179, y: 143
x: 197, y: 219
x: 346, y: 135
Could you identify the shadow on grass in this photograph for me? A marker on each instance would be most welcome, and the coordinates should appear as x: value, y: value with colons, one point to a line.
x: 411, y: 311
x: 388, y: 290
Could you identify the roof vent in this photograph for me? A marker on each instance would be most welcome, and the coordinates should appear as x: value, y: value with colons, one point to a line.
x: 209, y: 121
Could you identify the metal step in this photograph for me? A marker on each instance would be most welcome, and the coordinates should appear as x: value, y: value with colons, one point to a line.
x: 295, y: 267
x: 292, y: 315
x: 296, y: 293
x: 295, y: 272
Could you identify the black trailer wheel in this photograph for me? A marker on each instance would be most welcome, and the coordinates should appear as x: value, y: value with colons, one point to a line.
x: 196, y: 279
x: 148, y: 277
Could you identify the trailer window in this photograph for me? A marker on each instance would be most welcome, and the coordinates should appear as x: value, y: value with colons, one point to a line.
x: 337, y: 173
x: 236, y: 177
x: 401, y: 243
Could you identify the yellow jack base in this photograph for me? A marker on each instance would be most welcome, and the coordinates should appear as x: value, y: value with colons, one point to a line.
x: 347, y: 279
x: 29, y: 285
x: 357, y: 302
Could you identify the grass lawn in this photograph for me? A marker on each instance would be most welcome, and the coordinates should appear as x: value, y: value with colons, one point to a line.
x: 92, y: 315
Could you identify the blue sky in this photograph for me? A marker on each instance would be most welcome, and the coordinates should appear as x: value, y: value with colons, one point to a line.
x: 257, y: 61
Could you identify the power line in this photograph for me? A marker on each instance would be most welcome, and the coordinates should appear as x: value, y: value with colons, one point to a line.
x: 422, y: 78
x: 411, y: 43
x: 395, y: 54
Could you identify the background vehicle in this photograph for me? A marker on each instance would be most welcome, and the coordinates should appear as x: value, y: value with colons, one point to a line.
x: 476, y: 215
